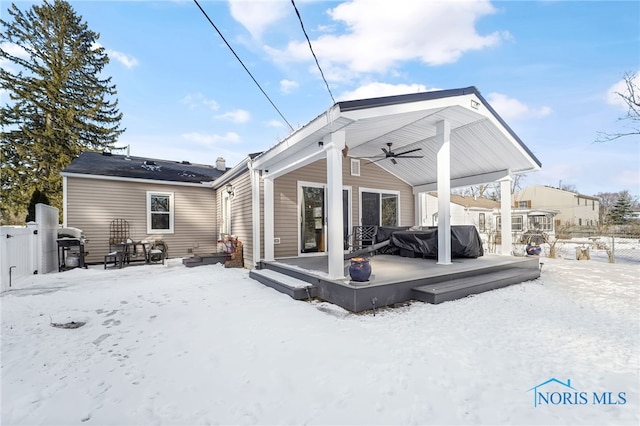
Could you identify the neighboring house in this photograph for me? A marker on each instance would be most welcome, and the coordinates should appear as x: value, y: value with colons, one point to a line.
x: 478, y: 211
x: 344, y: 168
x: 485, y: 214
x: 162, y: 200
x: 573, y: 208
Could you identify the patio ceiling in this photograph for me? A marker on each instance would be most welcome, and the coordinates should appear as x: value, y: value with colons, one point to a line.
x: 483, y: 147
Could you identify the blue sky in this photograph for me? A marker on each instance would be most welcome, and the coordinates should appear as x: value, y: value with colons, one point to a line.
x: 548, y: 67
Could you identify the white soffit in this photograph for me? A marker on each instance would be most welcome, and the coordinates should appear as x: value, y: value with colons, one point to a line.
x: 482, y: 146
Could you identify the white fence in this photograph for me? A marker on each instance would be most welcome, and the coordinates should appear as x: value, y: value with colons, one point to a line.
x: 29, y: 250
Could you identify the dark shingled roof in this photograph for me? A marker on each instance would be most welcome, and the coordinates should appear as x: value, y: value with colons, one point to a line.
x: 106, y: 164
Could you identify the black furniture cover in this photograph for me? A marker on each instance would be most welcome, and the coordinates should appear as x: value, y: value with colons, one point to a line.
x: 465, y: 242
x: 383, y: 233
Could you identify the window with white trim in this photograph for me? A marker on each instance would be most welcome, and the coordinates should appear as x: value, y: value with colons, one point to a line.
x: 516, y: 223
x: 160, y: 212
x: 540, y: 223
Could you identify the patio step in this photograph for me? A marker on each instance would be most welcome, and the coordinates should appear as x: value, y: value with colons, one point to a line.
x: 204, y: 259
x: 463, y: 287
x: 295, y: 288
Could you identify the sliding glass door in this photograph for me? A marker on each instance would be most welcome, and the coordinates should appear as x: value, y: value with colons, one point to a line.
x: 313, y: 223
x: 312, y: 220
x: 370, y: 208
x: 379, y: 208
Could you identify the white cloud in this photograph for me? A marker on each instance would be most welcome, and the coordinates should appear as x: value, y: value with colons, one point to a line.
x: 209, y: 139
x: 510, y: 108
x: 126, y: 60
x: 13, y: 50
x: 628, y: 178
x: 288, y: 86
x: 194, y: 100
x: 380, y: 34
x: 612, y: 96
x: 256, y: 16
x: 274, y: 123
x: 238, y: 116
x: 374, y: 90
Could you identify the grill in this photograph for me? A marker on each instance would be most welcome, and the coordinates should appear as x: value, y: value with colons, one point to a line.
x: 70, y: 249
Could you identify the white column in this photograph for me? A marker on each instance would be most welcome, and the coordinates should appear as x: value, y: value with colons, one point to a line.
x: 268, y: 220
x: 417, y: 208
x: 335, y: 244
x: 443, y: 168
x: 255, y: 213
x: 505, y: 213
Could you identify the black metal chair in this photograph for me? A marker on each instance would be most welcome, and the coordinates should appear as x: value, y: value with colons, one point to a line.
x: 363, y: 236
x: 361, y: 241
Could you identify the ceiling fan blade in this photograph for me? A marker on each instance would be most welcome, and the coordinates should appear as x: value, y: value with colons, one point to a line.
x: 375, y: 161
x: 393, y: 160
x: 376, y: 157
x: 387, y: 153
x: 408, y: 152
x: 409, y: 156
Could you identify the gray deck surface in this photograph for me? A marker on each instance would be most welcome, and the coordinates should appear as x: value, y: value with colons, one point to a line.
x: 386, y: 269
x: 397, y: 279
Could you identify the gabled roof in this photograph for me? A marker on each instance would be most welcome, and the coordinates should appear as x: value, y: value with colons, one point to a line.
x: 477, y: 202
x: 483, y: 147
x: 554, y: 189
x: 480, y: 202
x: 122, y: 166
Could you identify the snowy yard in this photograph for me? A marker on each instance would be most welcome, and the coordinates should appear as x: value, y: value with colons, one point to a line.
x: 208, y: 345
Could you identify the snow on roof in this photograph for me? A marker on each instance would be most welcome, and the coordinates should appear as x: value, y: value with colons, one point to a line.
x: 112, y: 165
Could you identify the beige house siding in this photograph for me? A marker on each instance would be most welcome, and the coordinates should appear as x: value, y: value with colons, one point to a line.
x: 241, y: 214
x: 286, y: 220
x: 576, y: 209
x: 93, y: 203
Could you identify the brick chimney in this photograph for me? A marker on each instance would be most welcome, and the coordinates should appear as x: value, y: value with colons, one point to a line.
x: 220, y: 164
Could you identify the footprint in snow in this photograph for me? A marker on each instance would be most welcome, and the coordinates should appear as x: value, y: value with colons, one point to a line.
x: 101, y: 339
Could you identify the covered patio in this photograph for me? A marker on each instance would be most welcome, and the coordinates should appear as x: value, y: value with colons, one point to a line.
x: 455, y: 139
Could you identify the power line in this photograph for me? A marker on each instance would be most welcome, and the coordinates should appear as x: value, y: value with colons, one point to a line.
x: 242, y: 63
x: 312, y: 52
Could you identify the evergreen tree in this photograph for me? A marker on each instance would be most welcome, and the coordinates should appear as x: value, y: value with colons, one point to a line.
x: 36, y: 197
x: 59, y: 105
x: 620, y: 211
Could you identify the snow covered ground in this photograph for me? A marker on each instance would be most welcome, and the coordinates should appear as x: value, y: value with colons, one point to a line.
x: 208, y: 345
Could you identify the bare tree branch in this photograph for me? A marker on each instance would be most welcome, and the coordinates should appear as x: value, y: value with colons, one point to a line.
x: 631, y: 98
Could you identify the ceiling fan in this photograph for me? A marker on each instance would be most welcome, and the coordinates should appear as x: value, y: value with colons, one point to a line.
x: 388, y: 153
